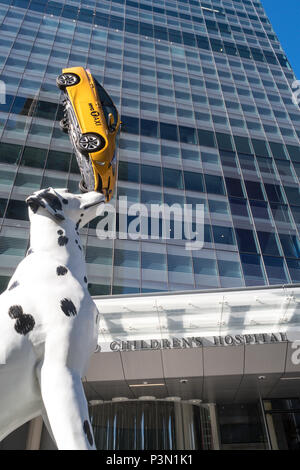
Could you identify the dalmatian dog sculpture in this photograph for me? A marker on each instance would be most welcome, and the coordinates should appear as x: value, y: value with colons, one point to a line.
x: 49, y: 323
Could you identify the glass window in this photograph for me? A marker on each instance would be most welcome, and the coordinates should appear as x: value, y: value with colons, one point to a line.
x: 253, y: 270
x: 188, y: 154
x: 17, y: 210
x: 9, y: 153
x: 228, y: 159
x: 130, y: 124
x: 239, y: 207
x: 205, y: 267
x: 214, y: 184
x: 128, y: 144
x: 290, y: 245
x: 296, y: 214
x: 266, y: 165
x: 151, y: 175
x: 276, y: 270
x: 56, y: 160
x: 246, y: 240
x: 206, y: 138
x: 155, y: 261
x: 170, y: 110
x: 260, y: 148
x: 223, y: 235
x: 98, y: 255
x: 247, y: 162
x: 234, y: 187
x: 168, y: 131
x: 294, y: 153
x: 285, y: 168
x: 218, y: 207
x: 126, y: 258
x: 149, y: 128
x: 150, y: 197
x: 293, y: 195
x: 242, y: 144
x: 193, y: 181
x: 274, y: 193
x: 13, y: 246
x: 229, y: 269
x: 278, y: 150
x: 187, y: 135
x: 179, y: 263
x: 128, y: 172
x: 147, y: 147
x: 280, y: 213
x: 168, y: 151
x: 268, y: 243
x: 260, y: 210
x: 254, y: 190
x: 224, y: 141
x: 294, y: 269
x: 171, y: 199
x: 172, y: 178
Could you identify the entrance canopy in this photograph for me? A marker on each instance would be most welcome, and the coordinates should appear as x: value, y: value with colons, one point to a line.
x: 217, y: 346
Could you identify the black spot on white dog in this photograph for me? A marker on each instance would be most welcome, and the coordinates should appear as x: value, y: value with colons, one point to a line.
x: 81, y: 215
x: 15, y: 311
x: 76, y: 241
x: 87, y: 430
x: 62, y: 240
x: 60, y: 232
x: 68, y: 307
x: 77, y: 224
x: 53, y: 202
x: 61, y: 270
x: 14, y: 285
x: 85, y: 279
x: 24, y: 324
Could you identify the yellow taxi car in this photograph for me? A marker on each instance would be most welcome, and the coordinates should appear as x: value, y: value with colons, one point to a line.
x: 92, y: 122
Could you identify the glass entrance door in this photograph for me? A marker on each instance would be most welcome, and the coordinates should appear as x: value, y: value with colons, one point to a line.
x: 283, y: 421
x: 151, y: 425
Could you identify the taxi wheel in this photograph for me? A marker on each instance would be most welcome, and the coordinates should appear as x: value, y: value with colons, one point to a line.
x: 64, y: 125
x: 67, y: 79
x: 91, y: 142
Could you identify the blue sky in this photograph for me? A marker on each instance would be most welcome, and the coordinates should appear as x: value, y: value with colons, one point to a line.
x: 285, y: 18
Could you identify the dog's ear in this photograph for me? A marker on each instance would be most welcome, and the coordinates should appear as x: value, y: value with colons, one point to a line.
x: 49, y: 200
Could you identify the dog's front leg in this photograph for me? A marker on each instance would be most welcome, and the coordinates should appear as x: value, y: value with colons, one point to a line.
x: 66, y: 406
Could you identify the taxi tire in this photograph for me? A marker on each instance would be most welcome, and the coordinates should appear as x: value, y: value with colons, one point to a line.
x: 67, y: 79
x: 97, y: 143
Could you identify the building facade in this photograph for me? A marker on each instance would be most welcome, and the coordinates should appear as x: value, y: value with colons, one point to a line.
x: 205, y: 94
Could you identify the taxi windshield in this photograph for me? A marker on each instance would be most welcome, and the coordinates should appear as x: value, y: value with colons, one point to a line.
x: 107, y: 105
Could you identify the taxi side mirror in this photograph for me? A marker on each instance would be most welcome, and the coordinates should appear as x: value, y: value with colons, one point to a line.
x: 111, y: 121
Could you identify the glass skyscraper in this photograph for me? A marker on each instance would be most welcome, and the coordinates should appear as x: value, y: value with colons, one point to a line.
x: 204, y: 91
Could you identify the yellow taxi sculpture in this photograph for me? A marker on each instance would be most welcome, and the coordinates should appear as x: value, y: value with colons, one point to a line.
x: 92, y: 121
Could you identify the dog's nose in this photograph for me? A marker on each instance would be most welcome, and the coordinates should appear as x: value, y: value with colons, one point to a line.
x: 34, y: 202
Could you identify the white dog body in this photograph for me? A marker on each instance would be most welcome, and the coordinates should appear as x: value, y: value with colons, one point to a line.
x: 49, y: 323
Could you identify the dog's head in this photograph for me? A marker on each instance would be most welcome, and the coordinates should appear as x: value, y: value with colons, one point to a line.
x: 61, y: 205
